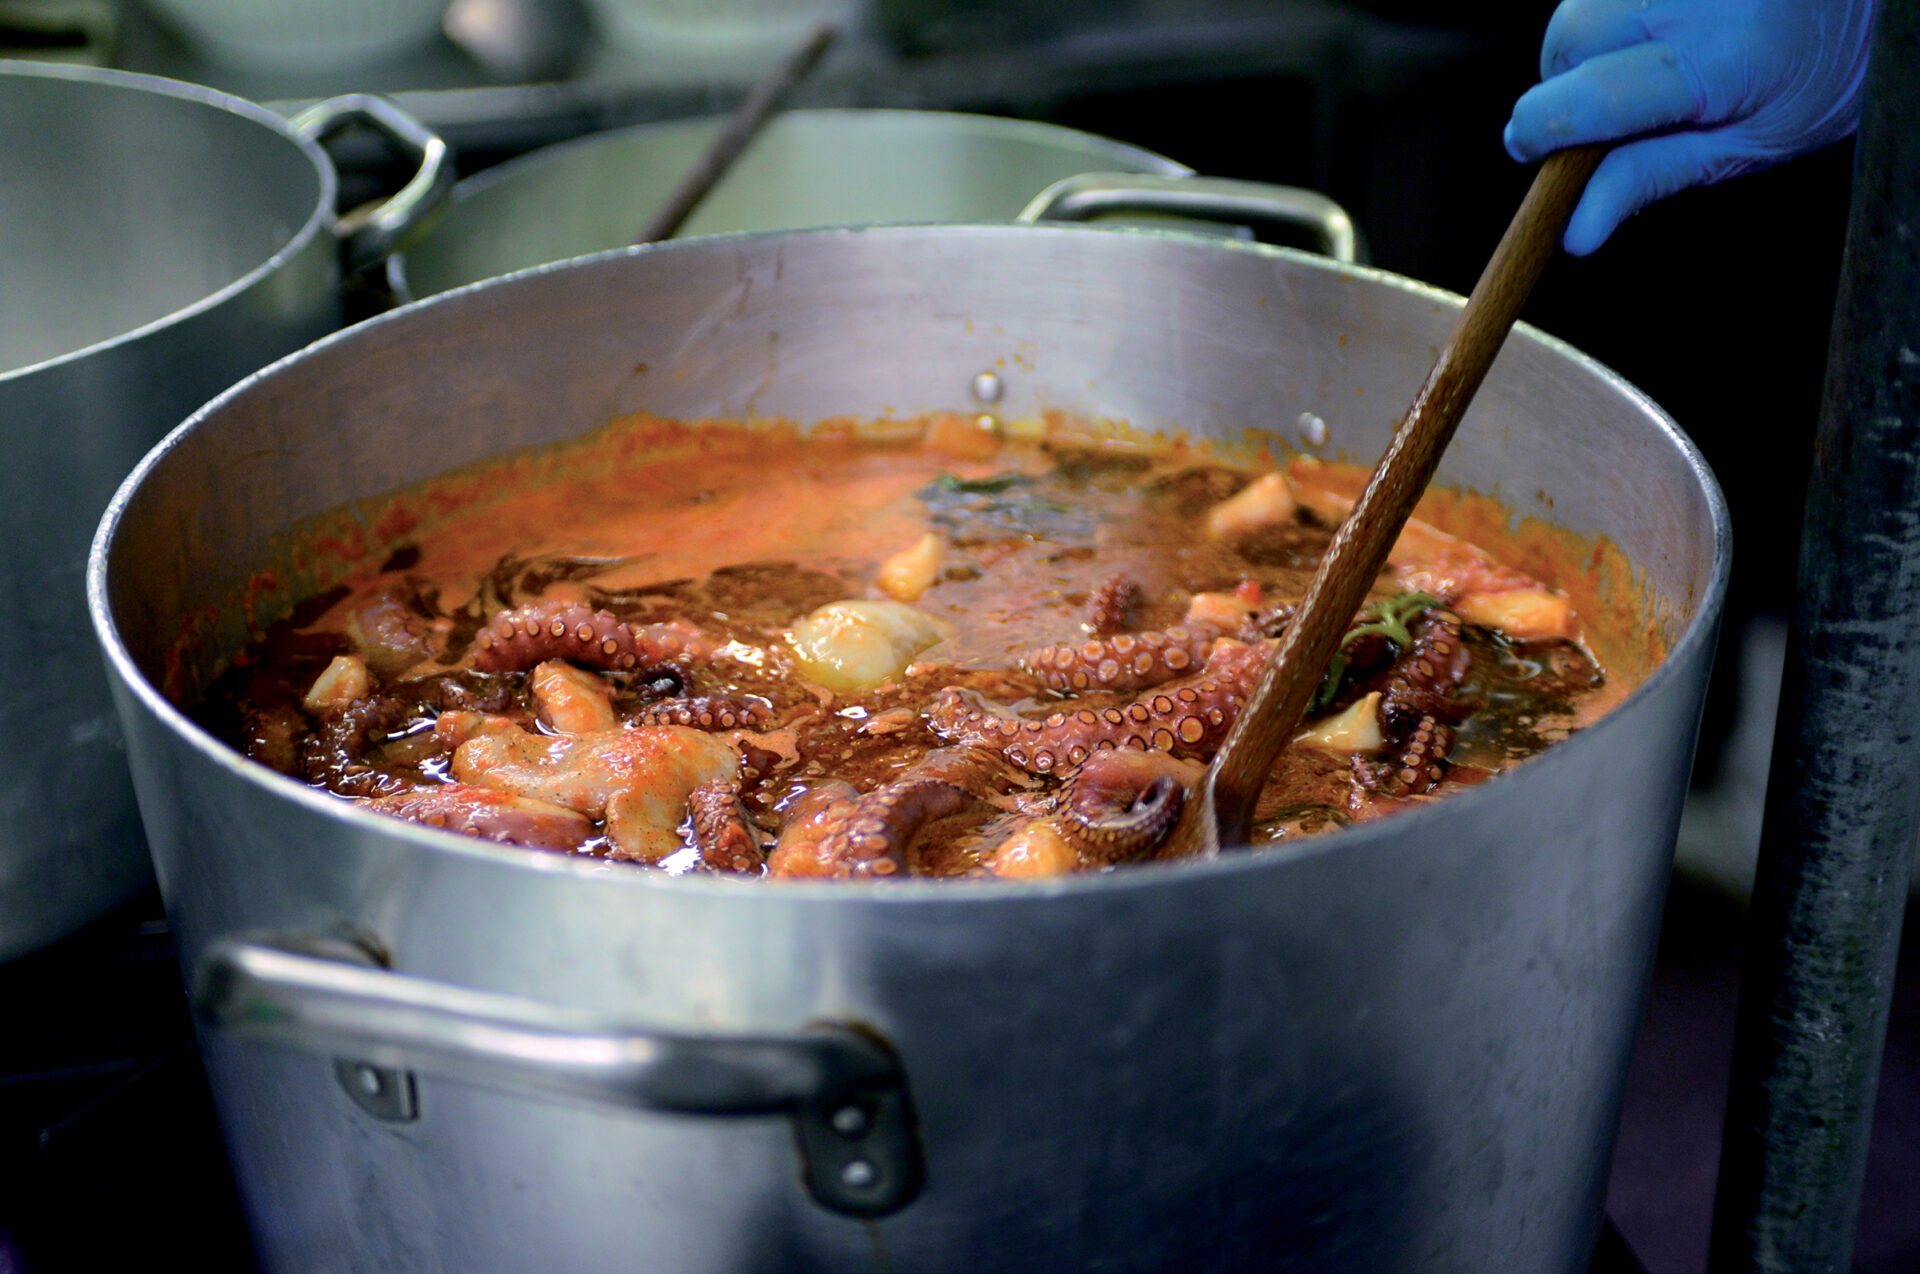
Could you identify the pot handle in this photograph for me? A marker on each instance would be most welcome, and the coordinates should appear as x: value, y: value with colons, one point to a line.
x: 1092, y: 195
x: 843, y: 1087
x: 369, y: 236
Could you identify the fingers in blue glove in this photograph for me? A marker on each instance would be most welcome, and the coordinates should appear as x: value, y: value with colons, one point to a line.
x: 1578, y: 31
x: 1636, y: 174
x: 1709, y: 88
x: 1620, y: 94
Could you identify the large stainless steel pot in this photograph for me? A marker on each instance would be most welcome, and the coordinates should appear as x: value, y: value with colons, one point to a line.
x: 157, y: 242
x: 1397, y: 1048
x: 808, y: 168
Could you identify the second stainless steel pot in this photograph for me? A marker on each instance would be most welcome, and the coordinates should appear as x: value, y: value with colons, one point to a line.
x: 1397, y: 1048
x: 157, y: 242
x: 808, y: 168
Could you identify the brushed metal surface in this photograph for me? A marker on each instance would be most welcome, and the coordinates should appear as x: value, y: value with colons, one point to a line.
x: 1088, y: 196
x: 853, y: 1119
x: 808, y: 168
x: 376, y: 230
x: 1397, y: 1048
x: 157, y: 242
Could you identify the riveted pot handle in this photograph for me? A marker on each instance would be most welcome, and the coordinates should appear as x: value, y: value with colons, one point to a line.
x: 373, y: 235
x: 1243, y: 203
x: 844, y: 1088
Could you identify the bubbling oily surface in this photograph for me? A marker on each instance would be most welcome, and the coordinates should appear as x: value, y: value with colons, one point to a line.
x: 940, y: 653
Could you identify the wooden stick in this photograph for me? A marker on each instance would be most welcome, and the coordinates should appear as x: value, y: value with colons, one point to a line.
x: 1223, y: 816
x: 741, y: 128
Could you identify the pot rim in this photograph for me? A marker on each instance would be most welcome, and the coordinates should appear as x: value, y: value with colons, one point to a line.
x: 1701, y: 628
x: 318, y: 220
x: 963, y: 121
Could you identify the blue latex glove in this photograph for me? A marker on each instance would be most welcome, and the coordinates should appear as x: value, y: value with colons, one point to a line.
x: 1710, y: 88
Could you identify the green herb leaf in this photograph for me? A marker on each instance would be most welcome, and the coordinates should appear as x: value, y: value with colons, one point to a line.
x: 1330, y: 684
x: 946, y: 482
x: 1391, y: 619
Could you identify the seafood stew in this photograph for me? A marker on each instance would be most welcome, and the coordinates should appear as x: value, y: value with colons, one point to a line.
x: 944, y: 654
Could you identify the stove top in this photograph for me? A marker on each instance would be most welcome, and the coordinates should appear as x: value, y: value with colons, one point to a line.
x: 108, y: 1148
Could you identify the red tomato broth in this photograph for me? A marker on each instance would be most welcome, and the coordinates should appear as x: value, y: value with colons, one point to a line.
x: 736, y: 533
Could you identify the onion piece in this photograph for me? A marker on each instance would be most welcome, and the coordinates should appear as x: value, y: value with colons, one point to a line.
x: 911, y: 571
x: 1263, y: 502
x: 1354, y: 729
x: 858, y: 645
x: 340, y: 683
x: 1524, y: 614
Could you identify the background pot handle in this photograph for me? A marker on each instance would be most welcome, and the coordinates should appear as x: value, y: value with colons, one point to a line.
x: 1242, y: 203
x: 370, y: 236
x: 843, y: 1087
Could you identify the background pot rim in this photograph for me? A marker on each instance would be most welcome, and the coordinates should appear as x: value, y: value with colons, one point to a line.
x: 319, y: 218
x: 993, y: 126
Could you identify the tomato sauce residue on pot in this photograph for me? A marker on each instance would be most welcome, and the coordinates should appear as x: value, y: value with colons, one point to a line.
x: 945, y: 653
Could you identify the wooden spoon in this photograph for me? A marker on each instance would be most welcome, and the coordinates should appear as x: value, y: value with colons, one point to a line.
x: 1223, y: 814
x: 741, y: 128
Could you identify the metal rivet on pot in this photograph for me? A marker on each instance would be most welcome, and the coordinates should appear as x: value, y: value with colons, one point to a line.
x: 388, y: 1095
x: 858, y: 1174
x: 1313, y: 430
x: 988, y: 387
x: 852, y: 1121
x: 987, y: 422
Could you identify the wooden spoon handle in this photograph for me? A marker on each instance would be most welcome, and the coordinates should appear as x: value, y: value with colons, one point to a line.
x: 1360, y: 547
x: 741, y: 128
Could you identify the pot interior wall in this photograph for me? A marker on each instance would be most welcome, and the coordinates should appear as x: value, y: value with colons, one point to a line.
x: 1170, y: 335
x: 120, y: 207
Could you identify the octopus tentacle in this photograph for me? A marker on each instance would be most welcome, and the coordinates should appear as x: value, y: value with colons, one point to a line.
x: 271, y: 736
x: 756, y: 762
x: 1418, y: 766
x: 1422, y: 683
x: 1421, y: 758
x: 515, y: 640
x: 868, y: 835
x: 491, y: 815
x: 707, y: 712
x: 1273, y: 619
x: 333, y: 753
x: 723, y: 832
x: 1418, y: 709
x: 1126, y: 662
x: 1193, y: 716
x: 387, y: 633
x: 1110, y: 603
x: 1119, y: 805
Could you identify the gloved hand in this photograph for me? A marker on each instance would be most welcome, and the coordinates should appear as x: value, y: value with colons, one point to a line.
x: 1710, y: 88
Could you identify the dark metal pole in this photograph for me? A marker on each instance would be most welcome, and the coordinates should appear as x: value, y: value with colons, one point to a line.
x: 1843, y: 802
